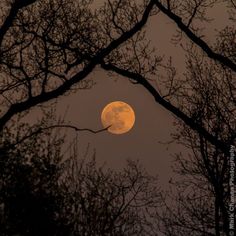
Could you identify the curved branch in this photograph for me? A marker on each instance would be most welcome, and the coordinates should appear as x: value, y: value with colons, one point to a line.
x: 197, y: 40
x: 167, y: 105
x: 46, y: 96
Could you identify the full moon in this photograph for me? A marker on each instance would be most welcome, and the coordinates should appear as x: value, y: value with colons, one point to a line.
x: 118, y: 116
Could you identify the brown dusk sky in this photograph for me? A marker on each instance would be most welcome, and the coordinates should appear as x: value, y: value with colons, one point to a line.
x: 153, y: 123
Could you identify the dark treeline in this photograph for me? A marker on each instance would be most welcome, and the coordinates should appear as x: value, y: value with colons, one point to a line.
x: 42, y: 193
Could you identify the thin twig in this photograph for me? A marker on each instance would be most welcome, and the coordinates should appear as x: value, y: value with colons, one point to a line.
x: 41, y: 130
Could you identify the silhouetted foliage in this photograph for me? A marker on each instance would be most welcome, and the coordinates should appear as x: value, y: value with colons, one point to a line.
x: 203, y: 194
x: 29, y: 191
x: 110, y: 202
x: 47, y: 53
x: 43, y: 192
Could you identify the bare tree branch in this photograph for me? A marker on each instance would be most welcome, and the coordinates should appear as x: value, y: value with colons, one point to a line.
x: 46, y: 96
x: 41, y: 130
x: 197, y: 40
x: 174, y: 110
x: 15, y: 7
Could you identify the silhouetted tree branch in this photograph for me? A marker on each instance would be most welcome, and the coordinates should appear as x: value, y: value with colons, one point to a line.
x: 40, y: 130
x: 173, y: 109
x: 47, y: 46
x: 16, y: 5
x: 203, y: 101
x: 205, y: 171
x: 194, y: 38
x: 43, y: 192
x: 45, y: 54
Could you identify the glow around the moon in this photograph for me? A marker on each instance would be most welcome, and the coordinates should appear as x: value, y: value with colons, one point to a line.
x: 119, y: 116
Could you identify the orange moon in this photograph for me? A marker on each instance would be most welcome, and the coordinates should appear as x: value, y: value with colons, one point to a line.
x: 119, y: 116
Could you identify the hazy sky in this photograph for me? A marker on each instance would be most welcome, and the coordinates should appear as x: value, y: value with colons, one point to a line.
x: 153, y: 123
